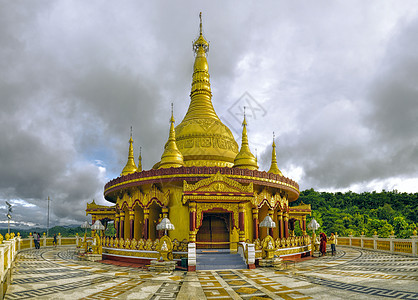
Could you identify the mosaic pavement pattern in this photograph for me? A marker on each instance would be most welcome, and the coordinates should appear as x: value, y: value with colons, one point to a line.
x: 49, y: 273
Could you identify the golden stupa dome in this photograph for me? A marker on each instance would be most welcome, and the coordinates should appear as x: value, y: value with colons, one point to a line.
x: 201, y: 137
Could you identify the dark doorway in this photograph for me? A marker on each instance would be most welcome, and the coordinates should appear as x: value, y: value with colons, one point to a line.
x: 214, y: 232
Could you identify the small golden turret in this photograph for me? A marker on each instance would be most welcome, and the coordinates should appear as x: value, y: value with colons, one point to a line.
x: 245, y: 159
x: 130, y: 165
x: 274, y: 168
x: 140, y: 160
x: 171, y: 157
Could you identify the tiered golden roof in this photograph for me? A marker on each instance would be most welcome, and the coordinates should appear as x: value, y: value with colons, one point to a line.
x: 245, y: 159
x: 171, y: 157
x: 201, y: 137
x: 130, y: 164
x: 274, y: 168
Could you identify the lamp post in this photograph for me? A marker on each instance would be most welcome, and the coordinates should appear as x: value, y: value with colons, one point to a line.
x: 165, y: 225
x: 268, y: 223
x: 85, y: 225
x: 313, y: 225
x: 9, y: 216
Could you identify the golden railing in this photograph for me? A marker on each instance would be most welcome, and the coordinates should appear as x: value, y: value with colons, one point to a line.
x: 383, y: 245
x: 141, y: 244
x: 403, y: 247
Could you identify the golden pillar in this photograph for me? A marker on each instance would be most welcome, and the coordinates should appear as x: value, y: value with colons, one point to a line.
x: 117, y: 221
x: 255, y: 223
x: 286, y: 224
x: 131, y: 224
x: 145, y: 228
x: 280, y: 223
x: 241, y: 217
x: 270, y: 213
x: 192, y: 222
x: 122, y: 225
x: 304, y: 225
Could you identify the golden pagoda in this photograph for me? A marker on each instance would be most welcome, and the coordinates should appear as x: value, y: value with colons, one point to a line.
x: 211, y: 191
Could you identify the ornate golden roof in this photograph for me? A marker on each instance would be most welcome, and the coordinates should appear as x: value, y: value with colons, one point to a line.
x: 171, y: 157
x: 130, y: 164
x: 201, y: 137
x: 245, y: 159
x: 274, y: 168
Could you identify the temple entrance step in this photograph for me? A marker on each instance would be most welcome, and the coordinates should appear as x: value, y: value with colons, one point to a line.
x: 218, y: 260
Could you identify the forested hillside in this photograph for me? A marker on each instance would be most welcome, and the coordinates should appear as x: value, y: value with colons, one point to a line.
x: 366, y: 212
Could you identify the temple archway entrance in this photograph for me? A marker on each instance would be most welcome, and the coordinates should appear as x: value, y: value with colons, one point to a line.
x: 215, y: 231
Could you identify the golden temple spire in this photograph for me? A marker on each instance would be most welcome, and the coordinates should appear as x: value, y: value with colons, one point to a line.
x: 201, y: 95
x: 245, y: 159
x: 130, y: 165
x: 140, y: 160
x: 274, y: 168
x: 171, y: 157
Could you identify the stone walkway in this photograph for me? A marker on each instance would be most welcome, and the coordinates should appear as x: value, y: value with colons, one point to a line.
x: 352, y: 274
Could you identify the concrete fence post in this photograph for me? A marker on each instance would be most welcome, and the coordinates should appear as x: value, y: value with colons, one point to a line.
x: 414, y: 240
x: 44, y: 240
x: 362, y: 241
x: 392, y: 242
x: 349, y: 239
x: 375, y: 238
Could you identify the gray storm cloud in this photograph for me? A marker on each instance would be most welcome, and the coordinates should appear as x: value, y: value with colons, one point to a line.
x: 338, y: 82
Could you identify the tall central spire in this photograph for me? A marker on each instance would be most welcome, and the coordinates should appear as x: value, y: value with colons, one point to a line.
x: 201, y: 137
x: 201, y: 95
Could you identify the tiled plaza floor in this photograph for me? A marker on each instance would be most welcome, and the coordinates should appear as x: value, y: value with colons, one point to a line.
x: 352, y: 274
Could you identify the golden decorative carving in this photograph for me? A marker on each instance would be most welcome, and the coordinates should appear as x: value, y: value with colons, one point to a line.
x: 217, y: 183
x: 272, y: 200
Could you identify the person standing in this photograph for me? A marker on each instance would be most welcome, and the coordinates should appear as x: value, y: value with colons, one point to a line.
x: 323, y: 244
x: 54, y: 242
x: 332, y: 240
x: 38, y: 238
x: 35, y: 240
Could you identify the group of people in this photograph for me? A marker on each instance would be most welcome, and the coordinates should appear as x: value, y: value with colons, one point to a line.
x: 323, y: 243
x: 37, y: 240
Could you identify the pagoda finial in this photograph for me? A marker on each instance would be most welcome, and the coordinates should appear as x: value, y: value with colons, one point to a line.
x: 140, y: 160
x: 171, y: 157
x: 130, y: 166
x: 245, y: 159
x: 200, y: 16
x: 274, y: 168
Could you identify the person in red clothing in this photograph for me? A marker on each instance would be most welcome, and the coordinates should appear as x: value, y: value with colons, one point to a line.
x: 323, y: 244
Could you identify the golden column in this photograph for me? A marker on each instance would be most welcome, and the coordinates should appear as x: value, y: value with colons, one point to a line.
x: 304, y: 225
x: 270, y: 213
x: 286, y: 224
x: 255, y: 223
x: 145, y: 229
x: 131, y: 224
x: 241, y: 217
x: 192, y: 222
x: 280, y: 223
x: 117, y: 220
x: 122, y: 225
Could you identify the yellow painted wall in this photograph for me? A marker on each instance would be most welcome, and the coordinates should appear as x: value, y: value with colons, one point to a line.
x: 178, y: 214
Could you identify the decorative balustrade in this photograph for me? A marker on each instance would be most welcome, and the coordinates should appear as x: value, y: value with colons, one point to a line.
x: 141, y: 244
x: 285, y: 246
x: 391, y: 244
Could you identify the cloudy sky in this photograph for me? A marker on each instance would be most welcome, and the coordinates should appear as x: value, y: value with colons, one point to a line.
x: 337, y: 81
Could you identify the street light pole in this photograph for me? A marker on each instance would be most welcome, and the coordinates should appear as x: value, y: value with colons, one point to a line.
x: 47, y: 225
